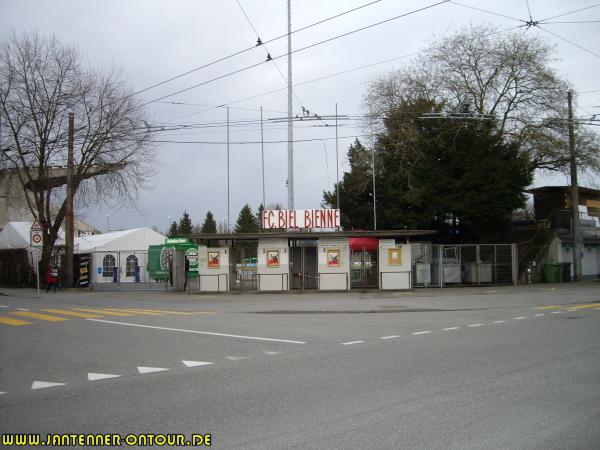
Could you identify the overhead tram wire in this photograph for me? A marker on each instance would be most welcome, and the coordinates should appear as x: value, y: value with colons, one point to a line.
x: 357, y: 30
x: 267, y: 50
x: 486, y: 11
x: 239, y: 52
x: 570, y: 12
x: 570, y: 42
x: 211, y: 108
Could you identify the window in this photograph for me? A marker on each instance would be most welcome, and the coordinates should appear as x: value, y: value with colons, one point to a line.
x: 130, y: 265
x: 108, y: 264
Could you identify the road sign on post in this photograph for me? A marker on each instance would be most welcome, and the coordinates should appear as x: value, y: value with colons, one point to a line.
x: 36, y: 235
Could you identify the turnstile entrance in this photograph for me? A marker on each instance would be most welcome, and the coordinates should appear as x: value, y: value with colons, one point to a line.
x: 303, y: 267
x: 363, y: 269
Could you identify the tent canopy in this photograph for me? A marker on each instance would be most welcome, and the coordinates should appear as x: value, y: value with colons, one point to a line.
x: 15, y: 235
x: 135, y: 239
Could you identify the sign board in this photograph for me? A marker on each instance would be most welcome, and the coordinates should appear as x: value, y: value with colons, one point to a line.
x: 36, y: 235
x: 300, y: 218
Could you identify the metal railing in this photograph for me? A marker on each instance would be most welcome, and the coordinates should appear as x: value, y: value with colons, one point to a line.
x: 282, y: 275
x: 333, y: 273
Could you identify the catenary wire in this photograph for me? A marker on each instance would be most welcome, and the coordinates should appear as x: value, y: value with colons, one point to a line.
x: 339, y: 36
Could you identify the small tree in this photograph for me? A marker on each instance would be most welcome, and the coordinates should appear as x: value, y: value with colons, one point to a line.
x: 185, y: 224
x: 210, y: 225
x: 174, y: 230
x: 247, y: 222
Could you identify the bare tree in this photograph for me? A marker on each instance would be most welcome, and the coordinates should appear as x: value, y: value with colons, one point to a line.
x: 508, y: 75
x: 41, y: 82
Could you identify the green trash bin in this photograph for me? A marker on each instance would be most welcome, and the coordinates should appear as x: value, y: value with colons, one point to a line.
x: 566, y: 269
x: 551, y: 273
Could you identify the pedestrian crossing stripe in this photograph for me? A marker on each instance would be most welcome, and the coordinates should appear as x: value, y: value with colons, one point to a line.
x: 149, y: 313
x: 57, y: 314
x: 71, y: 313
x: 39, y: 316
x: 183, y: 313
x: 15, y: 322
x: 108, y: 313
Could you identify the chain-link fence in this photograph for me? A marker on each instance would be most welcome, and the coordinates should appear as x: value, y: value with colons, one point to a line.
x: 463, y: 265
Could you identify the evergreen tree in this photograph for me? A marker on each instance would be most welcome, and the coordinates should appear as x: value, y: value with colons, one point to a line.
x: 259, y: 214
x: 453, y: 175
x: 174, y: 230
x: 185, y: 224
x: 356, y: 190
x: 247, y: 222
x: 210, y: 225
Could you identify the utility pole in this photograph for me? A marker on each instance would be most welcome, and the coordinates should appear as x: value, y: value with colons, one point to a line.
x: 262, y: 156
x: 337, y: 159
x: 290, y: 122
x: 228, y: 169
x: 373, y: 173
x: 576, y: 230
x: 69, y: 232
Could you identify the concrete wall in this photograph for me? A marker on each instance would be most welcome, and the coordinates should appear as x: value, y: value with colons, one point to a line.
x: 334, y: 276
x: 395, y: 264
x: 273, y: 277
x: 213, y: 277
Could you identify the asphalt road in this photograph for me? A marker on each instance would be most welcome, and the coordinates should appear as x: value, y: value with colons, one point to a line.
x: 506, y: 367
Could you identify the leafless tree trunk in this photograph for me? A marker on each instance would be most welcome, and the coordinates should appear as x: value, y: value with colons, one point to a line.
x: 41, y: 81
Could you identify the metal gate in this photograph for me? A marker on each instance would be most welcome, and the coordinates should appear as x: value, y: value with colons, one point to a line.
x: 463, y: 265
x: 363, y: 269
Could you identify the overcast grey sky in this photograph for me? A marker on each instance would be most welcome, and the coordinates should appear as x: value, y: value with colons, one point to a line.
x: 153, y: 40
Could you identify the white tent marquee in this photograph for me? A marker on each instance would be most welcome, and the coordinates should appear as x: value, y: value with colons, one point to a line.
x: 15, y: 235
x: 120, y: 255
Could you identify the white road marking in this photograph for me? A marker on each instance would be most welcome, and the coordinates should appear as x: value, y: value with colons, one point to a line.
x: 2, y: 392
x: 45, y: 384
x: 571, y: 310
x: 422, y: 332
x: 271, y: 353
x: 196, y: 363
x: 352, y: 342
x: 151, y: 369
x: 209, y: 333
x: 450, y: 328
x: 476, y: 325
x: 538, y: 315
x: 499, y: 321
x: 555, y: 312
x: 4, y: 306
x: 519, y: 318
x: 236, y: 358
x: 22, y: 309
x: 101, y: 376
x: 390, y: 337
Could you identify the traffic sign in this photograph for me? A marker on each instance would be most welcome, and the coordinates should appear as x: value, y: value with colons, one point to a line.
x: 36, y: 236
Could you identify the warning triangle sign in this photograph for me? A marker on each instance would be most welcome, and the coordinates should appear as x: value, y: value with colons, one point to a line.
x: 36, y: 225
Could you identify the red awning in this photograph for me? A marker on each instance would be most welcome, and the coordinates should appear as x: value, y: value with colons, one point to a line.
x: 366, y: 243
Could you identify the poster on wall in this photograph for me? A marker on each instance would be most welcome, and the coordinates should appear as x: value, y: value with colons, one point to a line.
x: 394, y: 257
x: 272, y: 258
x: 333, y: 258
x: 214, y: 261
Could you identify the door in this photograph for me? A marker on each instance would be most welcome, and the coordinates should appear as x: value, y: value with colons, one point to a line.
x: 363, y: 269
x: 303, y: 268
